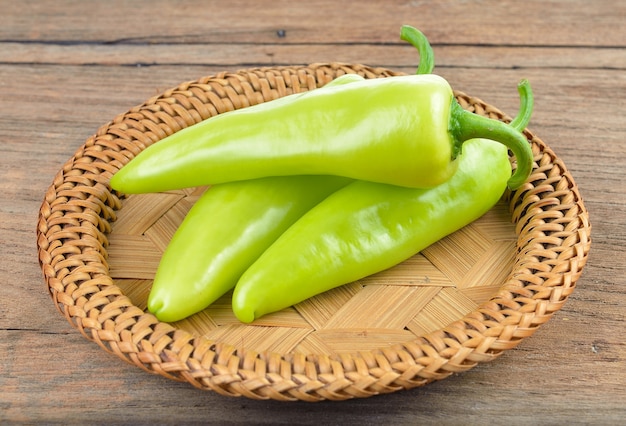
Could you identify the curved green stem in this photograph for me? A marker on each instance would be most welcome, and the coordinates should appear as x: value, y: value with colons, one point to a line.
x: 465, y: 125
x: 526, y: 106
x: 420, y: 42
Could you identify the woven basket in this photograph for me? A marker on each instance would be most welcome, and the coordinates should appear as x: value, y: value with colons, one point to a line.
x: 461, y: 302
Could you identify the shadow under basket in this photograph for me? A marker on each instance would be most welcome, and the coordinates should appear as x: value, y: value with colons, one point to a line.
x: 461, y: 302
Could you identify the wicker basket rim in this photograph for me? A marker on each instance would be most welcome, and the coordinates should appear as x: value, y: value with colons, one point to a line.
x: 74, y: 219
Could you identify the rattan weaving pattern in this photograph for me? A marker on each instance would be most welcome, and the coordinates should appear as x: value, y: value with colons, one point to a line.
x: 74, y: 228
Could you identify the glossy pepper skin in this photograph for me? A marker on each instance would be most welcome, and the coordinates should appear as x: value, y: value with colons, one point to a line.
x: 367, y: 227
x: 404, y: 130
x: 225, y: 231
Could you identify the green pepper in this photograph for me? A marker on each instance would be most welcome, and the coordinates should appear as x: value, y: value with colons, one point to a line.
x: 367, y: 227
x: 225, y: 231
x: 402, y: 130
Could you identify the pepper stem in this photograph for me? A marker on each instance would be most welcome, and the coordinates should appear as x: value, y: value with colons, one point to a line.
x: 526, y: 98
x: 465, y: 125
x: 420, y: 42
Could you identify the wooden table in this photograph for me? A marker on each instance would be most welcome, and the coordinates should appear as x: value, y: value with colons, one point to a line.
x: 61, y: 60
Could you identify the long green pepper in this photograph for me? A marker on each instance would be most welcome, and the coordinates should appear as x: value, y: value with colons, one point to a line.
x: 405, y: 130
x: 367, y: 227
x: 225, y: 231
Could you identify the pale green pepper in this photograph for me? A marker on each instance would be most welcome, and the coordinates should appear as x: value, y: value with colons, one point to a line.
x: 403, y: 130
x: 367, y: 227
x: 225, y: 231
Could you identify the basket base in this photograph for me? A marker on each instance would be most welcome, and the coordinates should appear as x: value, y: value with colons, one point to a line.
x: 425, y: 293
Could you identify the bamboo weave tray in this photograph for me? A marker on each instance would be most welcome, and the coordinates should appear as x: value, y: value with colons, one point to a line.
x: 461, y: 302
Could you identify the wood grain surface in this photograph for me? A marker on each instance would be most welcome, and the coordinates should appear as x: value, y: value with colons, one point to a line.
x: 68, y: 67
